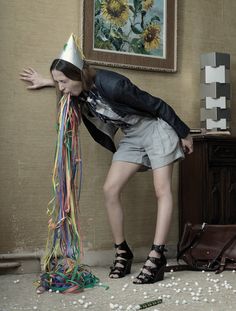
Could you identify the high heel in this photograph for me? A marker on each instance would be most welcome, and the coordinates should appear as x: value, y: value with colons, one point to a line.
x: 123, y: 261
x: 155, y: 272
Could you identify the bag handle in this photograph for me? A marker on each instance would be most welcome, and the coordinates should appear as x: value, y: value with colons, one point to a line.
x: 225, y: 247
x: 194, y: 239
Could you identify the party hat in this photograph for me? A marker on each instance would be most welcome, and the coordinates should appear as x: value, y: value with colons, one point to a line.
x: 72, y: 52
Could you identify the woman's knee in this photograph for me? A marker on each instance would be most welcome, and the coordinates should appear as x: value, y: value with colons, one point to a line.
x: 163, y: 190
x: 111, y: 190
x: 163, y: 181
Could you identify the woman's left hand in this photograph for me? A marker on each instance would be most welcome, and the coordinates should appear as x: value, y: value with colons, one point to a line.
x: 187, y: 144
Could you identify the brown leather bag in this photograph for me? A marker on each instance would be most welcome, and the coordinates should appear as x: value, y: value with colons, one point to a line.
x: 208, y: 247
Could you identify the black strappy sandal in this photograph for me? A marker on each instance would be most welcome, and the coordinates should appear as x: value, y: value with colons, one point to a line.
x: 123, y: 261
x: 155, y: 271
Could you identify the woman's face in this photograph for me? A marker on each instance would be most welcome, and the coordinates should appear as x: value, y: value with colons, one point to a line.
x: 66, y: 85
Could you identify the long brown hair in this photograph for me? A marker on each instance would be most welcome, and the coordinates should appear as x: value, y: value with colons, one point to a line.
x: 86, y: 75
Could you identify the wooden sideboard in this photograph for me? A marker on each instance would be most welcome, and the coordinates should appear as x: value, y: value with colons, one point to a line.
x: 207, y: 182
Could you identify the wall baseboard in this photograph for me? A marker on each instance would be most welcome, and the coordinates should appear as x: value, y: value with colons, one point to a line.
x: 20, y: 263
x: 23, y: 263
x: 106, y: 257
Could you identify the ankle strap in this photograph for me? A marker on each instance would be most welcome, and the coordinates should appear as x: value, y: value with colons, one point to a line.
x: 122, y: 245
x: 159, y: 248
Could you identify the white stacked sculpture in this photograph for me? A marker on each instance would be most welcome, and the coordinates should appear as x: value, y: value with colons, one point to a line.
x: 215, y: 91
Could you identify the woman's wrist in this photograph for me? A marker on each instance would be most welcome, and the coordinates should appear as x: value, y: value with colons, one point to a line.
x: 48, y: 82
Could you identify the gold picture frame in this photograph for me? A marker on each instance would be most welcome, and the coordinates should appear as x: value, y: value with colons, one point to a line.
x: 132, y: 34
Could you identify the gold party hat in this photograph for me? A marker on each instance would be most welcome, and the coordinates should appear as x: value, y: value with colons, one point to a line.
x: 72, y: 52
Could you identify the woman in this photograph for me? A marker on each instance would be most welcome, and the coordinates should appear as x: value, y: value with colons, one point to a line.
x: 154, y: 137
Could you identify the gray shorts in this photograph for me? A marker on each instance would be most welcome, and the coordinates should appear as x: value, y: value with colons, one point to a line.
x: 152, y: 143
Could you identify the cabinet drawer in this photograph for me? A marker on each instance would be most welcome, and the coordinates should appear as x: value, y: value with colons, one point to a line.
x: 222, y: 154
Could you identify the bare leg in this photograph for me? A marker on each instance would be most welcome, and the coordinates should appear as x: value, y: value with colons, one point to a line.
x: 118, y: 176
x: 163, y: 188
x: 162, y: 183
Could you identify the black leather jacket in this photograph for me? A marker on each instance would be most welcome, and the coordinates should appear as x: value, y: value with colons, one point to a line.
x: 125, y: 98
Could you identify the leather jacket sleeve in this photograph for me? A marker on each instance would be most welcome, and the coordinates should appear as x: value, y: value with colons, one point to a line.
x: 125, y: 97
x: 129, y: 94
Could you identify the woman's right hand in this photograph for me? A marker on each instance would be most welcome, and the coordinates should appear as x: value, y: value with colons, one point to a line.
x: 187, y: 144
x: 37, y: 80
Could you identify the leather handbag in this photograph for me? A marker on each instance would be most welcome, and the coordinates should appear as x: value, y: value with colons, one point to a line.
x: 208, y: 247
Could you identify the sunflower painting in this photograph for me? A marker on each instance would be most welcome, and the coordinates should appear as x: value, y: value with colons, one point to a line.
x: 139, y: 34
x: 130, y: 26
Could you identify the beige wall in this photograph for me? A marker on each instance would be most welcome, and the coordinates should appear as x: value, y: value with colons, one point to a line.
x: 33, y: 33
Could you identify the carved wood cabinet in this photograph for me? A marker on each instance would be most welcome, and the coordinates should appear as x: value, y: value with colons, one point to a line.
x: 207, y: 182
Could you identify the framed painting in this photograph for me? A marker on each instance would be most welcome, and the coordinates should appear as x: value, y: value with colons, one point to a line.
x: 136, y: 34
